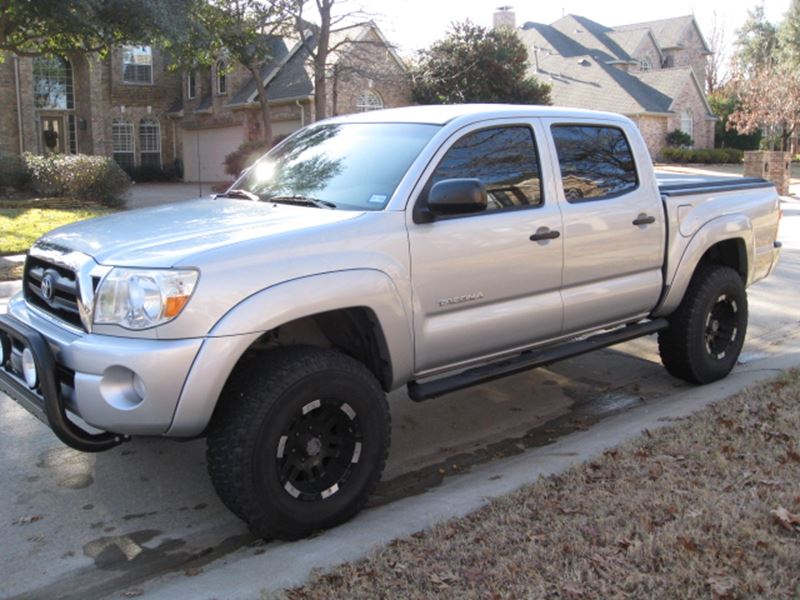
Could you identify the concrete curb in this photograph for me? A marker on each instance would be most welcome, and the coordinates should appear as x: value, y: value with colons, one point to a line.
x: 245, y: 575
x: 9, y: 288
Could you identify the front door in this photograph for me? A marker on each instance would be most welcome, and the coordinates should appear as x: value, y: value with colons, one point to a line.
x: 481, y: 285
x: 53, y: 135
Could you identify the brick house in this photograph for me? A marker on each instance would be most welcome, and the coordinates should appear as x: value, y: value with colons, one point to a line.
x: 652, y: 72
x: 129, y: 105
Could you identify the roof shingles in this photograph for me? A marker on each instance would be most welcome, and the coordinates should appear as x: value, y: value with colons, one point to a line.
x: 577, y: 56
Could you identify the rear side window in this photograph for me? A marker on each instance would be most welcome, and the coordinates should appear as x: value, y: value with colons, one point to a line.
x: 503, y: 158
x: 596, y: 162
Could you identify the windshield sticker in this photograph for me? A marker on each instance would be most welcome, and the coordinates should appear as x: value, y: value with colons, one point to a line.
x: 377, y: 199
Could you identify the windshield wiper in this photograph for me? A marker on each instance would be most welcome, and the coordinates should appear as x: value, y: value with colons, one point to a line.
x: 239, y: 194
x: 301, y: 200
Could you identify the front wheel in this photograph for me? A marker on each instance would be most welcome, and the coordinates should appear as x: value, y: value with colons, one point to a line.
x: 299, y: 442
x: 706, y: 332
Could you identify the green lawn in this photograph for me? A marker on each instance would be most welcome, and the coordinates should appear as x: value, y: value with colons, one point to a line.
x: 23, y: 221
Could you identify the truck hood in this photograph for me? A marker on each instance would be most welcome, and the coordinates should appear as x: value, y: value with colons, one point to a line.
x: 168, y: 234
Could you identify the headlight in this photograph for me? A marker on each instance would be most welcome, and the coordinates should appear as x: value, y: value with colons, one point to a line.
x: 142, y: 298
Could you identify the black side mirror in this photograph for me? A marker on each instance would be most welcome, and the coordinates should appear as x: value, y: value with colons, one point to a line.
x: 453, y: 197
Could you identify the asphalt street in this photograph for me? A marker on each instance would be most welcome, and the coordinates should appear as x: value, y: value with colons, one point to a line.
x: 75, y: 525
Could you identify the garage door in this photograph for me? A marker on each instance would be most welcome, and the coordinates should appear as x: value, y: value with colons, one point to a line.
x: 204, y: 152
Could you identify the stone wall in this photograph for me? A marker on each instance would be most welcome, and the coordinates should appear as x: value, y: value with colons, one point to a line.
x: 771, y: 165
x: 368, y: 65
x: 691, y: 54
x: 137, y: 101
x: 9, y: 118
x: 692, y: 100
x: 654, y: 132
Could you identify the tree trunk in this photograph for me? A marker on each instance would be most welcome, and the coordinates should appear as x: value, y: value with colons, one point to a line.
x: 321, y: 60
x: 264, y: 104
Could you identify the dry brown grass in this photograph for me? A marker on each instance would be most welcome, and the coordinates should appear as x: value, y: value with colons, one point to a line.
x: 682, y: 512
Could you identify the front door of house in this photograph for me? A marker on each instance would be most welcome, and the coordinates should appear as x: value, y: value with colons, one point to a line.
x: 53, y: 134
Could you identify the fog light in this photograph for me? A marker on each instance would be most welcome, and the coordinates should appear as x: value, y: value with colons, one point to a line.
x: 29, y: 368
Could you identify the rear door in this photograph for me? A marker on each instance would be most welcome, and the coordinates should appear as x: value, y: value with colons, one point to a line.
x: 481, y: 285
x: 614, y: 228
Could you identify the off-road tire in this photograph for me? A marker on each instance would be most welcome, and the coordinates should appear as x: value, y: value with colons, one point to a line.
x: 684, y: 346
x: 272, y: 397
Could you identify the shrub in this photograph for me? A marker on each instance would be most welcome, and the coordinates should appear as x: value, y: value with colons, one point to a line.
x: 246, y: 154
x: 94, y: 178
x: 679, y: 139
x: 13, y: 172
x: 707, y: 156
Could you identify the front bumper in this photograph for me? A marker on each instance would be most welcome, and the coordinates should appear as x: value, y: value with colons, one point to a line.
x: 127, y: 386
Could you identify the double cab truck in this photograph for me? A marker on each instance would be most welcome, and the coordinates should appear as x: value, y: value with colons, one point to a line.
x: 430, y: 247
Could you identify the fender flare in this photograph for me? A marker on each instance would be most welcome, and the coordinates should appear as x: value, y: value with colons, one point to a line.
x: 727, y: 227
x: 271, y: 307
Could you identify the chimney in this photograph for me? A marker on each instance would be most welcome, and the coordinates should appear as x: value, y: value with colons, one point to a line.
x: 504, y: 17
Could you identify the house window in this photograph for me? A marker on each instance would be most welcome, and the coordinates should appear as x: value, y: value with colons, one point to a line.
x: 368, y: 101
x: 191, y: 85
x: 122, y: 143
x: 52, y: 83
x: 222, y: 78
x: 646, y: 64
x: 137, y: 64
x: 150, y: 143
x: 687, y: 123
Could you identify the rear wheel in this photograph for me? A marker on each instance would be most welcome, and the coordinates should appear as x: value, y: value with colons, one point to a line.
x: 706, y: 332
x: 299, y: 442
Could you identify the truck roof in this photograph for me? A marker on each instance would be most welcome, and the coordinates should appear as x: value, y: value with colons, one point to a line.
x: 444, y: 113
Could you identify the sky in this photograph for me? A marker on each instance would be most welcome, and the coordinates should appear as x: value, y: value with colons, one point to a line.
x: 414, y: 24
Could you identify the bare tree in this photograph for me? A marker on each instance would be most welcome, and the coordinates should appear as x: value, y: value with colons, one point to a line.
x: 716, y: 72
x: 245, y: 31
x: 326, y: 42
x: 770, y: 100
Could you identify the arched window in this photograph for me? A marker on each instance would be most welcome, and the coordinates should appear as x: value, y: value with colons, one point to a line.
x: 52, y: 83
x: 687, y: 123
x: 122, y: 142
x: 367, y: 101
x: 150, y: 143
x: 645, y: 63
x: 222, y: 78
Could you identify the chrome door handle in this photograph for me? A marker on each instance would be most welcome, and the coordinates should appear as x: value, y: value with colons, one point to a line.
x: 543, y: 233
x: 644, y: 219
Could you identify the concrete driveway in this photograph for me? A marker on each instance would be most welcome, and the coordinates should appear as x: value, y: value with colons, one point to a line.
x: 84, y: 526
x: 143, y: 195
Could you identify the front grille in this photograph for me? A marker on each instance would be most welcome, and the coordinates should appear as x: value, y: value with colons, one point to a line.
x: 63, y: 301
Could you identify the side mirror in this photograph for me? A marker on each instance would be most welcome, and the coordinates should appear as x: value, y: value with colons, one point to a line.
x: 453, y: 197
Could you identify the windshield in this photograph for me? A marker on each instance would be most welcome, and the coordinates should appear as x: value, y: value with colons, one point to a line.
x: 350, y: 166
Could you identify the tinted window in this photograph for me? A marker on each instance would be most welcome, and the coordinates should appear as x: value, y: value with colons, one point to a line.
x: 505, y: 161
x: 355, y: 166
x: 595, y: 161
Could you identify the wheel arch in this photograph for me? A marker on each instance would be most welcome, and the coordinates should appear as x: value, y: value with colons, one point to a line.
x: 724, y: 241
x: 353, y: 301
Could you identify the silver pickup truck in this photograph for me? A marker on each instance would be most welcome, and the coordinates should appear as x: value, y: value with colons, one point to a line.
x: 433, y: 247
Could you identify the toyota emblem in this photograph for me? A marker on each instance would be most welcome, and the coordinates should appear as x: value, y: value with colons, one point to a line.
x: 47, y: 287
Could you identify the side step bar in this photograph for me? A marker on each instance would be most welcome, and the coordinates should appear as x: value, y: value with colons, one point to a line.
x: 530, y: 360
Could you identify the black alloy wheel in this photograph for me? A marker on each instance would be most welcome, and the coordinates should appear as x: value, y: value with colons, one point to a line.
x: 319, y: 449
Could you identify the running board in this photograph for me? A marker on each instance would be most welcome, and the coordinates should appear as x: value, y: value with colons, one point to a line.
x: 530, y: 360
